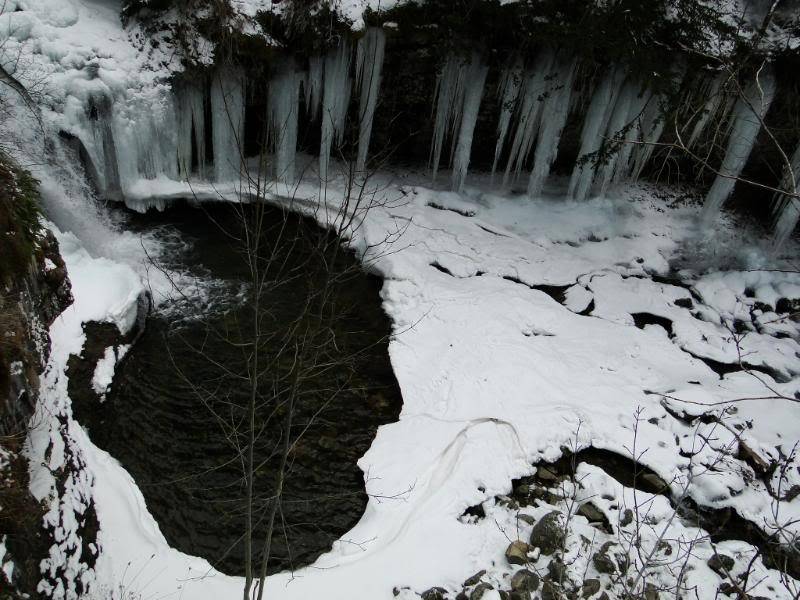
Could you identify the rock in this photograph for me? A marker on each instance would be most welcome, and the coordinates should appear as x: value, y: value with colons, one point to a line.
x: 479, y: 591
x: 519, y: 596
x: 591, y: 512
x: 650, y: 592
x: 557, y: 570
x: 509, y: 503
x: 595, y: 516
x: 590, y: 587
x: 525, y: 581
x: 435, y: 593
x: 721, y: 564
x: 475, y: 578
x: 462, y: 595
x: 752, y: 458
x: 652, y: 483
x: 548, y: 533
x: 684, y: 303
x: 627, y: 518
x: 727, y: 588
x: 526, y: 519
x: 546, y: 474
x: 552, y: 591
x: 517, y: 553
x: 603, y: 562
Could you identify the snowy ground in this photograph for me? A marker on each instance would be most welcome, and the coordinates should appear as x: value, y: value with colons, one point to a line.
x: 496, y: 375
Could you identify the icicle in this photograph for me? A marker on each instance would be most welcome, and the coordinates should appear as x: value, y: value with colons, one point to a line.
x: 786, y: 209
x: 629, y: 140
x: 715, y: 107
x: 227, y: 112
x: 449, y: 98
x: 369, y: 64
x: 554, y: 117
x: 336, y: 97
x: 619, y: 119
x: 652, y: 127
x: 508, y: 92
x: 533, y: 92
x: 747, y: 116
x: 282, y: 106
x: 313, y: 86
x: 474, y: 82
x: 191, y: 135
x: 594, y: 125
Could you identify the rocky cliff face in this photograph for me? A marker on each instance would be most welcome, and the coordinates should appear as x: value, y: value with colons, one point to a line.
x: 34, y: 290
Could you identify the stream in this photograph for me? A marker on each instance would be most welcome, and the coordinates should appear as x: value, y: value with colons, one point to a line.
x: 177, y: 419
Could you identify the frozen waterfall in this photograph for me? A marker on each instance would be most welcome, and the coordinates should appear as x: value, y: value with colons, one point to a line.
x: 786, y: 209
x: 534, y: 90
x: 190, y: 109
x: 747, y: 115
x: 369, y: 63
x: 594, y: 126
x: 475, y: 79
x: 508, y: 92
x: 335, y: 100
x: 227, y: 113
x: 283, y: 99
x: 554, y: 117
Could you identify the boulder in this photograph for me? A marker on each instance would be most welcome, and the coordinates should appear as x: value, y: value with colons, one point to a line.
x: 517, y: 553
x: 548, y: 533
x: 524, y: 581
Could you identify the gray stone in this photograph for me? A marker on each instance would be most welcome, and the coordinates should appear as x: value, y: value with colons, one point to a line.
x: 435, y: 593
x: 557, y: 570
x: 517, y: 553
x: 721, y: 564
x: 603, y: 562
x: 595, y: 516
x: 546, y: 474
x: 548, y: 533
x: 653, y: 483
x: 590, y: 587
x: 627, y: 518
x: 552, y: 591
x: 650, y: 592
x: 525, y: 581
x: 475, y: 578
x: 526, y: 519
x: 479, y: 591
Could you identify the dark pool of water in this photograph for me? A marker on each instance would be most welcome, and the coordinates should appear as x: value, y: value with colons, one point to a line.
x: 159, y: 419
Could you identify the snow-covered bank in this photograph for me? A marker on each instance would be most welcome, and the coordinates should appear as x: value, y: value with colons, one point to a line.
x: 496, y: 374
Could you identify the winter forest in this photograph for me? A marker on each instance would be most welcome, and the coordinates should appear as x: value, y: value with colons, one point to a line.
x: 414, y: 299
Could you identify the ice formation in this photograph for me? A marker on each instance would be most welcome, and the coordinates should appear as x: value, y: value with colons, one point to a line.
x: 190, y: 109
x: 475, y: 79
x: 369, y: 63
x: 747, y: 115
x: 594, y: 126
x: 786, y: 209
x: 555, y: 112
x: 449, y: 97
x: 508, y: 92
x: 335, y: 100
x: 313, y: 86
x: 227, y: 121
x: 283, y: 99
x: 534, y: 91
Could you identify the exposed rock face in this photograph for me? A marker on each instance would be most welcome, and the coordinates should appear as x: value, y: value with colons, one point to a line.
x: 34, y: 290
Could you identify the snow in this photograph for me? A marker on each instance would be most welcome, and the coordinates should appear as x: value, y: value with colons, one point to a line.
x: 104, y: 372
x: 495, y: 375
